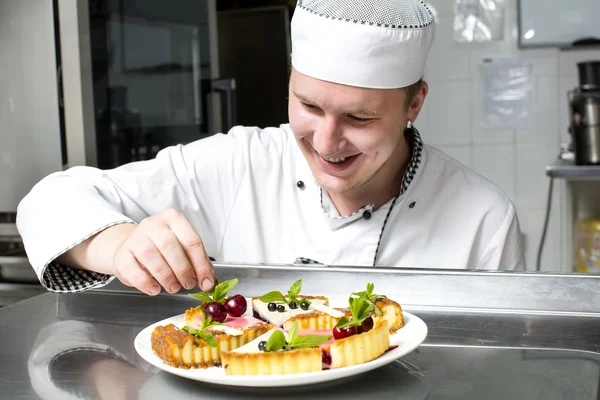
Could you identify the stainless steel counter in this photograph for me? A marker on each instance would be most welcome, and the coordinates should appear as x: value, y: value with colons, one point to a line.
x: 495, y: 341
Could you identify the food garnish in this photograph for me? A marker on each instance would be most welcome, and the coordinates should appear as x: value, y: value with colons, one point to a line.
x: 277, y: 341
x: 370, y: 297
x: 216, y: 303
x: 218, y: 293
x: 207, y: 323
x: 292, y: 300
x: 360, y: 319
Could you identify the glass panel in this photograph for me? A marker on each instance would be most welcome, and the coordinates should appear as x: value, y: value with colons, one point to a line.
x: 152, y: 74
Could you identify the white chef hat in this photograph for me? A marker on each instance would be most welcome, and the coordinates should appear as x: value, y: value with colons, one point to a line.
x: 364, y: 43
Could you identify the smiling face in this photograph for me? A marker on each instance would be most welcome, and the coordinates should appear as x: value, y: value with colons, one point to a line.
x: 351, y: 137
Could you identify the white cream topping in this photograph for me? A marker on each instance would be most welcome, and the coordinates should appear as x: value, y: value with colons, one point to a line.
x: 328, y: 310
x: 278, y: 318
x: 227, y: 329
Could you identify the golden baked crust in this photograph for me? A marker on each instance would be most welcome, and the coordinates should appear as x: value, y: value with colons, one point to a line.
x: 361, y: 348
x: 313, y: 320
x: 183, y: 350
x: 391, y: 312
x: 272, y: 363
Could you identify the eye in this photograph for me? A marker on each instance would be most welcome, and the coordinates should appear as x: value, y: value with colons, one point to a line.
x: 358, y: 119
x: 308, y: 106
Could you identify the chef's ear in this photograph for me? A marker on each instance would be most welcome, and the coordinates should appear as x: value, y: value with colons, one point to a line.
x: 416, y: 103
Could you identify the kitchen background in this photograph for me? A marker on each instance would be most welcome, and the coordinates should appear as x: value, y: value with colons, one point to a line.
x: 107, y: 82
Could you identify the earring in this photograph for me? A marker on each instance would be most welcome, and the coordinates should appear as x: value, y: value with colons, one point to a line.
x: 408, y: 124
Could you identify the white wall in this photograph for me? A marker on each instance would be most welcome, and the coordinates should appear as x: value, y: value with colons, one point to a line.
x: 512, y: 159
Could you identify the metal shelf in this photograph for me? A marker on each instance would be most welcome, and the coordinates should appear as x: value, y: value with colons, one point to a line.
x: 567, y: 169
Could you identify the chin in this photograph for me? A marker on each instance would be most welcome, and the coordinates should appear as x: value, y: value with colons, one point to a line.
x: 332, y: 184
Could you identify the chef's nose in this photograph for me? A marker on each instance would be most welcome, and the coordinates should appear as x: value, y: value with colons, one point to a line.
x: 328, y: 138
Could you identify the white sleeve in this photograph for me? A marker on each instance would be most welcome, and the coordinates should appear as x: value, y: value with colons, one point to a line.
x: 505, y: 250
x: 200, y: 179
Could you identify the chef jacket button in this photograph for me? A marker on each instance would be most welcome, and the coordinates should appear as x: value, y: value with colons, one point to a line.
x: 300, y: 184
x: 412, y: 205
x: 367, y: 214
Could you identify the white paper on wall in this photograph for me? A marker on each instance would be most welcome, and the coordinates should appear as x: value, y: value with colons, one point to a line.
x: 478, y: 20
x: 506, y: 95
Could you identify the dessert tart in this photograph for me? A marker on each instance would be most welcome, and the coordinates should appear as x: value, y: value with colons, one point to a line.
x: 311, y: 312
x: 383, y: 309
x: 180, y: 348
x: 215, y: 326
x: 356, y: 339
x: 256, y: 358
x: 391, y: 312
x: 288, y: 334
x: 357, y: 348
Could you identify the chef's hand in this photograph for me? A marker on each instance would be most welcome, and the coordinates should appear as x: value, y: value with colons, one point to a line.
x: 164, y: 250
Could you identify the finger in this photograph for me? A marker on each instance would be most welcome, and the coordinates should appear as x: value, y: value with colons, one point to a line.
x: 131, y: 273
x: 149, y: 257
x: 173, y: 253
x: 194, y: 249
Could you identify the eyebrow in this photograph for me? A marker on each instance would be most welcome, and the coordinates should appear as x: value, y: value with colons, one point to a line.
x: 362, y: 111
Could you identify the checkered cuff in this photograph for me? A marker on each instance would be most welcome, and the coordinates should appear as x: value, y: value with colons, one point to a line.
x: 61, y: 279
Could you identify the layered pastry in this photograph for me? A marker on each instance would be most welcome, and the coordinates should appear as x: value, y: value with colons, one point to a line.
x: 321, y: 351
x: 254, y: 359
x: 381, y: 308
x: 190, y: 347
x: 311, y: 312
x: 288, y: 334
x: 215, y: 326
x: 358, y: 348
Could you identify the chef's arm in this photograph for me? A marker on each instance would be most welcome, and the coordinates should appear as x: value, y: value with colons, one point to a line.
x: 97, y: 252
x: 75, y: 208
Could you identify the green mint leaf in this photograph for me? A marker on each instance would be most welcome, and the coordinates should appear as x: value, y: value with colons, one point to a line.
x: 370, y: 288
x: 360, y: 307
x: 293, y: 332
x: 343, y: 322
x: 202, y: 296
x: 295, y: 288
x: 308, y: 341
x: 276, y: 341
x: 273, y: 296
x: 207, y: 321
x: 190, y: 330
x: 208, y: 338
x: 220, y: 291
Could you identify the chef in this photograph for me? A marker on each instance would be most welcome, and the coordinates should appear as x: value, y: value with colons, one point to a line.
x: 348, y: 181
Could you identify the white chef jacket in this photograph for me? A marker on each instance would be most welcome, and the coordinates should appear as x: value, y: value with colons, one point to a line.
x: 251, y: 196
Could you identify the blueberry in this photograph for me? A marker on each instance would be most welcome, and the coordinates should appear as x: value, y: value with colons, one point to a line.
x: 280, y: 308
x: 293, y: 305
x: 262, y: 346
x: 272, y: 306
x: 304, y: 305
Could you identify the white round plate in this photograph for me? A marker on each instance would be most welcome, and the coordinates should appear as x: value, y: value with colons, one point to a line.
x: 407, y: 339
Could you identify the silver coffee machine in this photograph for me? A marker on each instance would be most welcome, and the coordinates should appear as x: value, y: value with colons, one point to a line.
x: 584, y: 107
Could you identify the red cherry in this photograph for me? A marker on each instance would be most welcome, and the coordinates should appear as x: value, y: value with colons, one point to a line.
x: 216, y: 311
x: 341, y: 333
x: 366, y: 326
x: 236, y: 305
x: 326, y: 358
